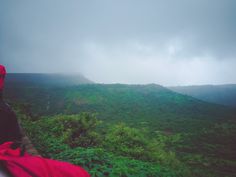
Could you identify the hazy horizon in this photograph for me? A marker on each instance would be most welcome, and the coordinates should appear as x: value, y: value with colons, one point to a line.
x: 74, y: 73
x: 185, y: 42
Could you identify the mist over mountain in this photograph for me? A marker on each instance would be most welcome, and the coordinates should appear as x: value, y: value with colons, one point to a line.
x: 147, y: 41
x: 46, y: 79
x: 219, y: 94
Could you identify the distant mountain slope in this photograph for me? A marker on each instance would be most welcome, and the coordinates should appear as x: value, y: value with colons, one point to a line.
x: 220, y: 94
x: 34, y: 79
x: 140, y: 105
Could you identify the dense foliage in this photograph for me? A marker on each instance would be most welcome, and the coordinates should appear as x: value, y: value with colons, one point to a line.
x: 121, y: 150
x: 124, y: 151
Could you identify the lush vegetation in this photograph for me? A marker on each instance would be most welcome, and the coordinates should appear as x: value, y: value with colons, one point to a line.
x: 128, y: 130
x: 120, y: 151
x: 124, y: 151
x: 135, y: 104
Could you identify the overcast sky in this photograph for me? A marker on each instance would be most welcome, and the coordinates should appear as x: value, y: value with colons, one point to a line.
x: 168, y: 42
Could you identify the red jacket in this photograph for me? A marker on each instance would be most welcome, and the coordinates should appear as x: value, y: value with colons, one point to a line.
x: 36, y: 166
x: 2, y: 76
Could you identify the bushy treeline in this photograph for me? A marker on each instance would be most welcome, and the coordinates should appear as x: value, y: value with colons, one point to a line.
x: 119, y: 150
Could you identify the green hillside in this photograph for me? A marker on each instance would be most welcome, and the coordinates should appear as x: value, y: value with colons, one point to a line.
x: 219, y: 94
x: 126, y: 130
x: 140, y: 105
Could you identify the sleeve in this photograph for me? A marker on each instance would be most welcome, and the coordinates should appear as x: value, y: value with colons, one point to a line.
x: 11, y: 130
x: 16, y: 133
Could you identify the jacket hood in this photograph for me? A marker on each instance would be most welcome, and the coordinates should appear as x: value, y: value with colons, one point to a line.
x: 2, y: 76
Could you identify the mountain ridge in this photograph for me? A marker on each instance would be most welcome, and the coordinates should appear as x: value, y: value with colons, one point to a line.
x: 151, y: 105
x: 47, y: 79
x: 219, y: 94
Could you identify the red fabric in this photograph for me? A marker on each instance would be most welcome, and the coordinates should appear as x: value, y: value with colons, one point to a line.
x: 35, y: 166
x: 2, y: 73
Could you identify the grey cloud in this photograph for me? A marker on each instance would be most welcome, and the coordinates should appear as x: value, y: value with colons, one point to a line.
x: 129, y: 41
